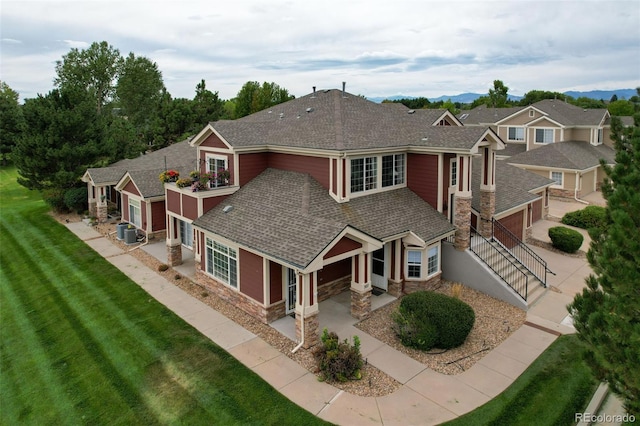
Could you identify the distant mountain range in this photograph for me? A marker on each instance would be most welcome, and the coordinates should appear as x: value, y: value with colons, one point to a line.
x: 467, y: 98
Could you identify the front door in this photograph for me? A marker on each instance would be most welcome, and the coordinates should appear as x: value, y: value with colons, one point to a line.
x: 379, y: 269
x: 290, y: 282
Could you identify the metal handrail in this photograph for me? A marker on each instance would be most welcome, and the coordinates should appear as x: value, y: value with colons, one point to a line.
x: 483, y: 248
x: 527, y: 257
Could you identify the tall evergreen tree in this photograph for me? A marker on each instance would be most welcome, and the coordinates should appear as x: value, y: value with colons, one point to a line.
x: 11, y: 120
x: 607, y: 312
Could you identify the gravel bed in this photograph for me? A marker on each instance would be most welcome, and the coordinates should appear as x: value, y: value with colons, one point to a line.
x: 495, y: 321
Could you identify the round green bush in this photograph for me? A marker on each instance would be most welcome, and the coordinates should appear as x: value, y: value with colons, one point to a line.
x: 426, y: 319
x: 565, y: 239
x: 587, y: 218
x: 55, y: 198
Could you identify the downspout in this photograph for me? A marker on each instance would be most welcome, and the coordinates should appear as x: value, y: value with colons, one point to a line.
x: 294, y: 350
x: 575, y: 192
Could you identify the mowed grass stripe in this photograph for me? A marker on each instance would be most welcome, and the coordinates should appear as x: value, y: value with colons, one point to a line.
x: 72, y: 350
x: 110, y: 311
x: 18, y: 331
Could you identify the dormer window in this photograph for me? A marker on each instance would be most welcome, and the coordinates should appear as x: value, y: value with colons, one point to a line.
x: 367, y: 175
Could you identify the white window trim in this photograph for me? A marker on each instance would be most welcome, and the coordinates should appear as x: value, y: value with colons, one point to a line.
x: 209, y: 157
x: 561, y: 186
x: 424, y: 259
x: 136, y: 204
x: 212, y: 274
x: 595, y: 136
x: 532, y: 113
x: 524, y: 132
x: 379, y: 187
x: 453, y: 182
x: 553, y: 135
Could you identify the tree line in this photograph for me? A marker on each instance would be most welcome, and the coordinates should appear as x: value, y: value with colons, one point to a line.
x: 498, y: 97
x: 105, y: 107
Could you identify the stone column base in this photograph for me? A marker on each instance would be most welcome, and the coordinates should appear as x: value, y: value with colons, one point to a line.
x: 361, y: 304
x: 394, y: 288
x: 93, y: 208
x: 462, y: 222
x: 101, y: 214
x: 174, y: 255
x: 311, y: 330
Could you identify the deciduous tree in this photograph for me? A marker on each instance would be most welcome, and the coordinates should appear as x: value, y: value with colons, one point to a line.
x: 607, y: 312
x: 11, y: 120
x: 498, y: 95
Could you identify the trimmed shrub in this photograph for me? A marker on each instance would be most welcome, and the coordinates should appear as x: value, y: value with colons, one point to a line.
x: 163, y: 267
x: 55, y: 198
x: 587, y: 218
x: 426, y: 319
x: 75, y: 199
x: 565, y: 239
x: 338, y: 360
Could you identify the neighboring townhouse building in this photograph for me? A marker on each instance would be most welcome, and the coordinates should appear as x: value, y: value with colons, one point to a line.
x: 132, y: 188
x: 554, y: 139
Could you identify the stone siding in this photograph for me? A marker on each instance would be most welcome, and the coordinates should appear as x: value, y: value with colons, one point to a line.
x: 462, y: 222
x: 333, y: 288
x: 311, y: 330
x: 360, y: 304
x: 394, y: 288
x: 430, y: 284
x: 487, y: 210
x: 174, y: 255
x: 562, y: 193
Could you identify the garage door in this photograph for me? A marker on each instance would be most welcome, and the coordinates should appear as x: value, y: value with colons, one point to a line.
x: 514, y: 223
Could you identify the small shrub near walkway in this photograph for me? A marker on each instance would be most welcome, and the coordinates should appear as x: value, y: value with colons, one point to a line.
x: 588, y: 218
x: 565, y: 239
x: 338, y: 361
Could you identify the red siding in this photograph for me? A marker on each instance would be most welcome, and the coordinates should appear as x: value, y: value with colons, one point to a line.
x: 275, y: 282
x: 392, y: 269
x: 343, y: 246
x: 251, y: 165
x: 422, y: 177
x: 158, y: 222
x: 209, y: 203
x: 334, y: 176
x: 334, y: 271
x: 189, y: 207
x: 143, y: 210
x: 125, y: 207
x: 251, y: 275
x: 514, y: 223
x: 537, y: 210
x: 315, y: 166
x: 214, y: 141
x: 131, y: 188
x: 173, y: 202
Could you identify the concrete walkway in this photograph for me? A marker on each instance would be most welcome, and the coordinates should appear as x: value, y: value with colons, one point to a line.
x: 425, y: 398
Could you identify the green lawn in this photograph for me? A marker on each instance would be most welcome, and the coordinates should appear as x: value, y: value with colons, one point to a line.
x: 82, y: 344
x: 555, y: 387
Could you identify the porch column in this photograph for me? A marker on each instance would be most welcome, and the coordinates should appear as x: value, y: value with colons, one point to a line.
x: 395, y: 281
x: 307, y: 325
x: 174, y: 244
x: 487, y: 192
x: 91, y: 194
x: 101, y: 206
x: 360, y: 286
x: 462, y: 201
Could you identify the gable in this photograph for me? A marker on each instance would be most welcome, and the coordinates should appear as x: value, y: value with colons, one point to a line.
x: 345, y: 245
x: 214, y: 141
x: 130, y: 187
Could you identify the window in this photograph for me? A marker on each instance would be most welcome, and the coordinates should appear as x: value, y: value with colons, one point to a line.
x: 135, y: 215
x: 364, y: 172
x: 222, y: 262
x: 454, y: 173
x: 544, y: 135
x: 532, y: 113
x: 216, y: 165
x: 414, y: 264
x: 557, y: 177
x: 392, y: 170
x: 186, y: 234
x: 516, y: 133
x: 432, y: 261
x: 600, y: 136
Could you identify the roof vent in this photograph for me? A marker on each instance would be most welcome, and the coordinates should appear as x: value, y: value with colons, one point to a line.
x: 411, y: 111
x: 270, y: 112
x: 344, y: 85
x: 314, y: 92
x: 227, y: 209
x: 281, y: 115
x: 309, y: 110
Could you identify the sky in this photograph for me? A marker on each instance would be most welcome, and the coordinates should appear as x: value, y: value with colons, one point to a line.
x: 379, y: 48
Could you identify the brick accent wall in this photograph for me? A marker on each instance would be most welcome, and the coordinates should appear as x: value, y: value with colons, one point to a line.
x: 360, y: 304
x: 93, y: 208
x: 174, y: 255
x: 394, y: 288
x: 333, y: 288
x: 562, y: 193
x: 311, y: 330
x: 101, y: 213
x: 235, y: 298
x: 462, y: 222
x: 430, y: 284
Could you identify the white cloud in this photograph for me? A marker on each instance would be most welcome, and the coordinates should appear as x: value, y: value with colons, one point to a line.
x: 419, y: 48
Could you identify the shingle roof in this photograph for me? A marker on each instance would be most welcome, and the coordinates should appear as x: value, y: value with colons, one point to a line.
x: 570, y: 115
x: 573, y: 155
x: 481, y: 115
x: 290, y: 216
x: 328, y: 120
x: 105, y: 175
x: 513, y: 149
x: 512, y: 186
